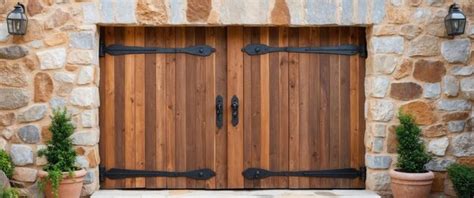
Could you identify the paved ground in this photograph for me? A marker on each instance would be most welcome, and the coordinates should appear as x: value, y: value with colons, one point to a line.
x: 234, y: 194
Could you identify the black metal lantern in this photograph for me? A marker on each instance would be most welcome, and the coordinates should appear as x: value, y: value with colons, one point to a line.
x: 17, y: 20
x: 455, y: 21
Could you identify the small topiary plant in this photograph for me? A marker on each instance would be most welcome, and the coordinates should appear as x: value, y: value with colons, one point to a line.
x: 412, y: 155
x: 6, y: 164
x: 462, y: 177
x: 59, y: 151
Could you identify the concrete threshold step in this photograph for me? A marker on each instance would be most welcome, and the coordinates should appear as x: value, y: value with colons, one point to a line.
x: 234, y: 193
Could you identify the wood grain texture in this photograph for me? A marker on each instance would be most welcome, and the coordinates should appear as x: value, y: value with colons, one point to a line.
x: 297, y: 111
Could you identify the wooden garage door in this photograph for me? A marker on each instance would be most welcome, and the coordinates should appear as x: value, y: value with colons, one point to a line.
x: 297, y: 111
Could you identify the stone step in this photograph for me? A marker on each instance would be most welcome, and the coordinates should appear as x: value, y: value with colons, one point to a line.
x: 234, y: 194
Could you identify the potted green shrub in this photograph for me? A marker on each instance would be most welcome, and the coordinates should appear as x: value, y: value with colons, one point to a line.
x: 60, y: 177
x: 462, y: 177
x: 410, y: 179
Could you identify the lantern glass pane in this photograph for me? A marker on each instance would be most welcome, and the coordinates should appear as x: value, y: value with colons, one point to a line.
x: 15, y: 15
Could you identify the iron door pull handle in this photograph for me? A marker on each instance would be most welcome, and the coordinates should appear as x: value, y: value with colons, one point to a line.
x: 234, y: 104
x: 219, y: 111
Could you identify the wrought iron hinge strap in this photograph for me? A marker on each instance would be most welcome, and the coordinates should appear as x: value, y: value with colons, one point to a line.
x: 350, y: 173
x: 117, y: 50
x: 117, y: 173
x: 259, y: 49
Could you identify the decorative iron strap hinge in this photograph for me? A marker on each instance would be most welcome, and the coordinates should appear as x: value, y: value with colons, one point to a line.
x: 117, y: 173
x: 350, y: 173
x: 259, y: 49
x: 117, y: 50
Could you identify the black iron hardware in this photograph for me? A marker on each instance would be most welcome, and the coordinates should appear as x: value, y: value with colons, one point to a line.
x: 117, y: 49
x: 117, y: 173
x: 219, y: 111
x: 259, y: 49
x: 234, y: 104
x: 351, y: 173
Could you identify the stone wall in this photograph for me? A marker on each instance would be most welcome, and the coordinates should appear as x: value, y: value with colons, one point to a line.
x: 412, y: 65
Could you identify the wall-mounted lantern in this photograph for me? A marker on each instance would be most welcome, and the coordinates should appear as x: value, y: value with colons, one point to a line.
x: 17, y: 20
x: 455, y: 21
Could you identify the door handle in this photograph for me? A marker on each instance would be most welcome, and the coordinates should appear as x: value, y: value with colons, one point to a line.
x: 234, y: 104
x: 219, y: 111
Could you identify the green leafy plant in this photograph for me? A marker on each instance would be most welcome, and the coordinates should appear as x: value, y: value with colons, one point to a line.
x: 6, y: 164
x: 412, y: 155
x: 462, y: 177
x: 59, y: 151
x: 9, y: 193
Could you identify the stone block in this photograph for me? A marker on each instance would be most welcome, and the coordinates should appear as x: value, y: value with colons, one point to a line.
x: 456, y: 126
x: 438, y: 146
x: 431, y: 90
x: 463, y: 144
x: 12, y: 98
x: 33, y: 113
x: 450, y: 86
x: 388, y: 44
x: 82, y: 40
x: 454, y: 105
x: 456, y: 51
x: 379, y: 86
x: 24, y: 174
x: 29, y: 134
x: 85, y: 138
x: 13, y: 52
x: 381, y: 110
x: 21, y: 154
x: 85, y: 97
x: 52, y: 58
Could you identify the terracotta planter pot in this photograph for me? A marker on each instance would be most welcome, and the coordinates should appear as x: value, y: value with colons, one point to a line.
x: 407, y: 185
x: 69, y: 187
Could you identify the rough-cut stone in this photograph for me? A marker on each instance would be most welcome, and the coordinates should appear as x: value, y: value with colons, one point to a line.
x: 463, y: 144
x: 431, y: 90
x: 385, y: 64
x: 64, y: 89
x: 321, y: 14
x: 65, y: 77
x: 89, y: 118
x: 85, y: 97
x: 86, y: 75
x: 52, y: 58
x: 381, y: 110
x: 378, y: 130
x: 34, y: 113
x: 456, y: 51
x: 455, y: 116
x: 25, y: 174
x: 82, y: 162
x: 21, y: 154
x: 438, y: 146
x: 388, y: 44
x: 454, y: 105
x: 439, y: 164
x: 378, y: 161
x: 125, y: 11
x: 7, y: 133
x: 377, y: 145
x: 12, y: 75
x: 13, y: 52
x: 34, y: 31
x: 424, y: 46
x: 11, y: 98
x: 198, y: 11
x: 466, y: 161
x: 392, y: 141
x: 89, y: 178
x: 450, y: 85
x: 80, y: 57
x: 384, y: 30
x: 421, y: 111
x: 4, y: 181
x: 85, y: 138
x: 7, y: 119
x: 58, y: 18
x: 93, y: 158
x: 462, y: 70
x: 81, y: 40
x: 456, y: 126
x: 34, y: 7
x: 403, y: 70
x: 429, y: 71
x: 57, y: 102
x: 410, y: 31
x: 379, y: 86
x: 56, y: 39
x: 3, y: 144
x: 89, y: 11
x: 405, y: 91
x: 43, y: 87
x: 40, y: 161
x: 467, y: 85
x: 379, y: 181
x: 437, y: 130
x: 421, y: 15
x: 4, y: 35
x: 29, y: 134
x: 45, y: 133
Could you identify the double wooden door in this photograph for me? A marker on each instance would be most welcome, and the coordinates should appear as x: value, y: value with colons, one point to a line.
x: 296, y: 111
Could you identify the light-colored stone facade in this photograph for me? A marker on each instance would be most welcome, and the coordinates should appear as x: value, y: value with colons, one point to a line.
x: 412, y: 65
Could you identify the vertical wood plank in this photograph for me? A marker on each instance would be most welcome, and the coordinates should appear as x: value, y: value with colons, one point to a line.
x: 344, y: 110
x: 210, y: 128
x: 294, y: 129
x: 139, y: 117
x: 160, y: 116
x: 119, y: 73
x: 247, y: 107
x: 361, y: 77
x: 265, y: 106
x: 234, y: 87
x: 180, y: 116
x: 191, y: 127
x: 284, y: 109
x: 150, y: 106
x: 170, y: 87
x: 129, y: 110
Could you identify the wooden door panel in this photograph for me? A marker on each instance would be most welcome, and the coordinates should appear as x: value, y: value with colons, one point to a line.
x: 158, y: 110
x: 302, y: 111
